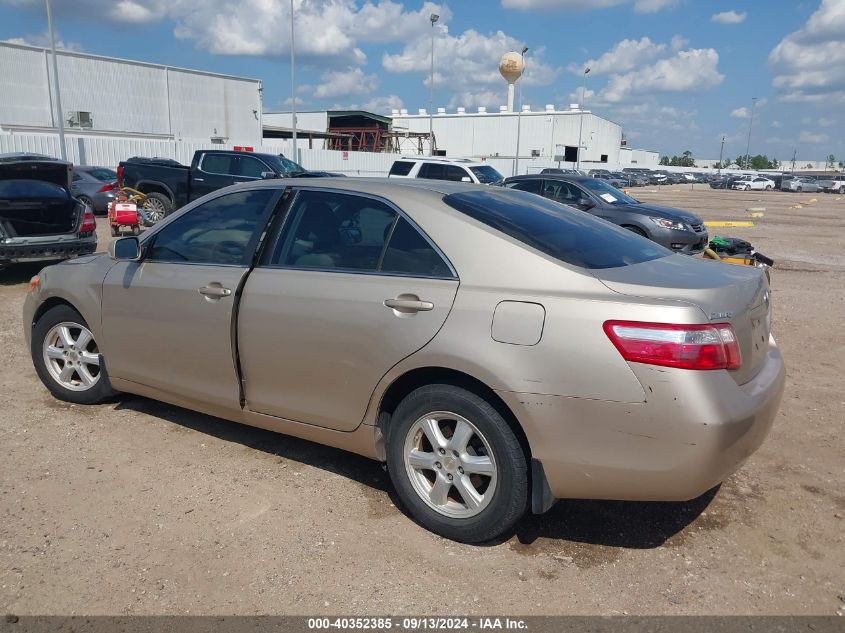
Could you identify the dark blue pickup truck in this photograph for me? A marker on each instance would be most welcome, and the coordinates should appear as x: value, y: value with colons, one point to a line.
x: 170, y: 185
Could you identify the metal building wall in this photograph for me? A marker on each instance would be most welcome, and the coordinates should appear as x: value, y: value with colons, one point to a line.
x: 127, y: 98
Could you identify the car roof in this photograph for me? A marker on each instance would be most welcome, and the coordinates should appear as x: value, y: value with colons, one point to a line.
x: 385, y: 187
x: 567, y: 177
x: 468, y: 162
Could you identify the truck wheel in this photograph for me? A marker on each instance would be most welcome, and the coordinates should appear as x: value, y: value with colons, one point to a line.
x: 157, y: 207
x: 67, y: 358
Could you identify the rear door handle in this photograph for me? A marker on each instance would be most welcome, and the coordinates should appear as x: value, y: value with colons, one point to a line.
x: 409, y: 305
x: 199, y: 179
x: 214, y: 290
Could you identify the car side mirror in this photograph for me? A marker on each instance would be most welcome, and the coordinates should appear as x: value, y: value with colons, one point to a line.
x: 268, y: 175
x: 586, y: 203
x: 125, y: 249
x: 466, y: 179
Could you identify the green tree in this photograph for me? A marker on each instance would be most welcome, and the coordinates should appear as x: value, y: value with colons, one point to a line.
x: 664, y: 160
x: 831, y: 162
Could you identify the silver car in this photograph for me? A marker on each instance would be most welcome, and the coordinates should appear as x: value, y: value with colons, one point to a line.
x: 803, y: 184
x: 496, y: 349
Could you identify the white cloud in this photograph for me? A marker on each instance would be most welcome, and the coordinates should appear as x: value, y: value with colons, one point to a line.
x: 809, y: 137
x: 741, y: 113
x: 729, y: 17
x: 44, y: 40
x: 777, y: 125
x: 653, y: 6
x: 693, y: 70
x: 678, y: 42
x: 342, y: 83
x: 809, y: 64
x: 623, y: 56
x: 383, y: 105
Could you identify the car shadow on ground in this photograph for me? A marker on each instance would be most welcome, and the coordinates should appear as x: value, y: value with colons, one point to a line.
x: 17, y: 274
x: 617, y: 524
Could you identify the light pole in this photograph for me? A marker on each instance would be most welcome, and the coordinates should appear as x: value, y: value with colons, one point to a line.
x: 581, y: 118
x: 750, y: 123
x: 293, y: 83
x: 721, y: 153
x: 519, y: 118
x: 433, y: 18
x: 61, y: 117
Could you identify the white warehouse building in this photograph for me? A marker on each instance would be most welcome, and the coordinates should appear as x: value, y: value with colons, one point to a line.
x: 114, y: 98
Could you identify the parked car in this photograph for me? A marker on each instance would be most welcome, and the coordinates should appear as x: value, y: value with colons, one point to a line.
x: 618, y: 183
x: 679, y: 231
x: 483, y: 342
x: 830, y: 182
x: 39, y: 218
x: 170, y: 185
x: 558, y: 170
x: 658, y: 178
x: 756, y: 183
x: 94, y: 186
x: 837, y: 185
x: 805, y: 184
x: 454, y: 169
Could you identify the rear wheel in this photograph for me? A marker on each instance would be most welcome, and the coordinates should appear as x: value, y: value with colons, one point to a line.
x: 842, y: 190
x: 87, y: 202
x: 456, y: 464
x: 156, y: 207
x: 768, y: 187
x: 800, y: 189
x: 67, y: 358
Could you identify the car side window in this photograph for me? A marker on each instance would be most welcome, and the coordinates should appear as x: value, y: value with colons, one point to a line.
x: 453, y: 172
x: 432, y: 171
x: 334, y: 231
x: 250, y: 167
x: 531, y: 186
x: 563, y: 192
x: 222, y: 231
x: 401, y: 168
x: 410, y: 253
x: 217, y: 164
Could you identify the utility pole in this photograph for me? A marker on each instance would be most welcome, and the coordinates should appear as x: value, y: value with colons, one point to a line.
x: 794, y: 156
x: 581, y: 117
x: 750, y: 123
x: 519, y: 118
x: 60, y: 119
x: 433, y: 17
x: 721, y: 153
x: 293, y: 83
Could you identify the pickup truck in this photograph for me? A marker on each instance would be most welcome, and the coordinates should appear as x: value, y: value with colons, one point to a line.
x: 170, y: 185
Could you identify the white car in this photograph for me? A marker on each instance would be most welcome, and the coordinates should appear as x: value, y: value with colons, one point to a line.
x: 837, y: 186
x: 754, y: 183
x: 435, y: 168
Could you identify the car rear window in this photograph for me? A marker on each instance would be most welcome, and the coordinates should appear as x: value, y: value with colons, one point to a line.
x: 401, y: 168
x: 569, y: 235
x: 103, y: 174
x: 26, y: 189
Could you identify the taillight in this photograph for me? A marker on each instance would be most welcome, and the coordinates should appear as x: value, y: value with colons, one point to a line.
x: 711, y: 346
x: 111, y: 186
x: 89, y: 222
x: 120, y: 175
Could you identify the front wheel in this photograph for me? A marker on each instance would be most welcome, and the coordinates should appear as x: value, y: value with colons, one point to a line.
x: 67, y: 358
x: 768, y: 187
x: 456, y: 464
x: 748, y: 187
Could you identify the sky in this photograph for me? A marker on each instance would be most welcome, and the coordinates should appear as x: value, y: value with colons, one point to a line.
x: 676, y: 74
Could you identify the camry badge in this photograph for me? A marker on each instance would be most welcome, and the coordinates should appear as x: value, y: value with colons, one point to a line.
x: 721, y: 315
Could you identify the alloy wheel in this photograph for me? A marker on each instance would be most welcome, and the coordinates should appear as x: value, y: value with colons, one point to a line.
x: 71, y: 356
x: 154, y: 210
x: 450, y: 464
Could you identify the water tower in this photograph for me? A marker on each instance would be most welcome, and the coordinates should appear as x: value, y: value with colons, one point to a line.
x: 511, y: 66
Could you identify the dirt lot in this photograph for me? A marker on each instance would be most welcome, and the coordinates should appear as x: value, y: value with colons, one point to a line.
x: 139, y: 507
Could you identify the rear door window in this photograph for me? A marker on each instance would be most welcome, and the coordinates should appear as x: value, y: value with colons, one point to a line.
x: 531, y: 186
x: 401, y: 168
x: 575, y: 238
x: 455, y: 173
x: 432, y: 171
x: 218, y: 164
x: 409, y: 253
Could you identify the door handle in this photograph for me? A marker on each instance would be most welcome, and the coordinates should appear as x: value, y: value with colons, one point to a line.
x: 409, y: 305
x: 199, y: 179
x: 214, y: 290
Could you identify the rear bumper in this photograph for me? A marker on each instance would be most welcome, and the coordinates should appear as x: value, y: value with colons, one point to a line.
x: 48, y: 250
x: 692, y: 432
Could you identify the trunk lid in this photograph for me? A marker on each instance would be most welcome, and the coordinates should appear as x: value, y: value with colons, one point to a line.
x: 35, y: 198
x: 726, y: 293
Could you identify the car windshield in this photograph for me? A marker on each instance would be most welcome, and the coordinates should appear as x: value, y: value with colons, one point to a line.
x: 285, y: 165
x: 607, y: 192
x: 486, y: 174
x: 571, y: 236
x: 103, y: 174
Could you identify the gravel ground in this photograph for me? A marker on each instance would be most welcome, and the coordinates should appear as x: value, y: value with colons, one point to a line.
x: 142, y: 508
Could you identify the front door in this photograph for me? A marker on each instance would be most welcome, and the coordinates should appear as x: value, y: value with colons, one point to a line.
x: 351, y: 288
x: 167, y: 320
x: 214, y: 172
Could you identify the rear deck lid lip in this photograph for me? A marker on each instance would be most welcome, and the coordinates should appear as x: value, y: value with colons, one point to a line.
x: 48, y: 170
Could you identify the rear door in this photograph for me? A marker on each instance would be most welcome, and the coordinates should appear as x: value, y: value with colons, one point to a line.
x: 167, y: 320
x: 349, y: 289
x: 214, y: 172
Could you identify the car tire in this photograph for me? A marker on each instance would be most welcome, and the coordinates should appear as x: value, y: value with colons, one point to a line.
x: 768, y: 187
x: 842, y: 190
x: 800, y: 189
x: 71, y: 374
x: 485, y: 454
x: 157, y: 207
